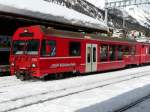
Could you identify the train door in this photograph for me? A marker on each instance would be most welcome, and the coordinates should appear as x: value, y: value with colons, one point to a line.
x: 143, y: 51
x: 91, y: 57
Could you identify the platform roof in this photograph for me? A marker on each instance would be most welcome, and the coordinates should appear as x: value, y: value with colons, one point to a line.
x: 42, y: 11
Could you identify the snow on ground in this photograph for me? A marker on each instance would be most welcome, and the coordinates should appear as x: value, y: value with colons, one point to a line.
x: 105, y: 98
x: 41, y: 6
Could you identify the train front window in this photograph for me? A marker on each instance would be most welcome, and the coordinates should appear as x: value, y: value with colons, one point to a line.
x: 26, y: 47
x: 32, y: 47
x: 19, y: 47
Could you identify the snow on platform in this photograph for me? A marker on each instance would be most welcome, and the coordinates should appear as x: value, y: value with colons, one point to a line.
x: 39, y: 96
x: 52, y: 12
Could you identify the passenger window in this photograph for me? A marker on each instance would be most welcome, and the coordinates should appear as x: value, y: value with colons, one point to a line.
x: 104, y: 53
x: 120, y: 52
x: 126, y: 50
x: 48, y: 48
x: 132, y: 51
x: 112, y: 53
x: 74, y: 48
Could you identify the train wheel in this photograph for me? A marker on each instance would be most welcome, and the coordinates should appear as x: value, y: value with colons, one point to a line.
x: 24, y: 77
x: 17, y: 76
x: 58, y: 76
x: 77, y: 73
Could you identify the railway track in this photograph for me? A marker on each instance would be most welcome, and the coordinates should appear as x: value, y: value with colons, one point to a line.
x: 133, y: 104
x: 11, y: 84
x: 20, y: 83
x: 53, y: 95
x: 16, y: 82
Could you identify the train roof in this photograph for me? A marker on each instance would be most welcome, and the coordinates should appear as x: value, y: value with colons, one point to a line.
x: 51, y: 13
x: 39, y: 31
x: 82, y: 35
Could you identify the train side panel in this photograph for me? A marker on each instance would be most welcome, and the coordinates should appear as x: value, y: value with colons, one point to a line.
x: 145, y: 53
x: 64, y: 60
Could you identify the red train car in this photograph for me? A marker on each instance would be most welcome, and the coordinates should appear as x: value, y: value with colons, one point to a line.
x: 38, y: 51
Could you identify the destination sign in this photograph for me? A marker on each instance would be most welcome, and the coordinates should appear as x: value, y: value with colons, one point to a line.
x: 26, y: 34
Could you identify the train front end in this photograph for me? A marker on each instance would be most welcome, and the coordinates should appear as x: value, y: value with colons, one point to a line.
x: 25, y: 50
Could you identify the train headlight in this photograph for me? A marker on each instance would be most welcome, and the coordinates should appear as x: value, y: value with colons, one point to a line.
x: 33, y: 65
x: 12, y: 64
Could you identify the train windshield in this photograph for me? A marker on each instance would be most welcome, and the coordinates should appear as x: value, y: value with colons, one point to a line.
x: 26, y: 47
x: 32, y: 47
